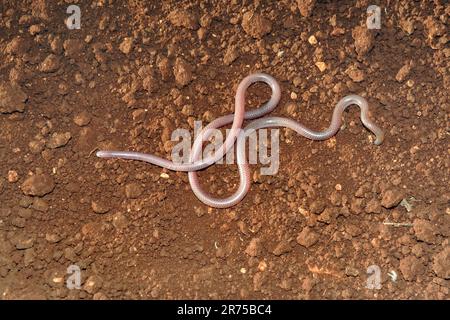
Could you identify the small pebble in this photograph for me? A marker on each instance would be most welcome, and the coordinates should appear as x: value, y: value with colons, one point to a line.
x: 82, y: 119
x: 312, y: 40
x: 38, y: 185
x: 321, y: 66
x: 100, y: 207
x: 58, y: 140
x: 13, y: 176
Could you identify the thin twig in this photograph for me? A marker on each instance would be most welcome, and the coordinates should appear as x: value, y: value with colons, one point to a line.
x: 397, y: 224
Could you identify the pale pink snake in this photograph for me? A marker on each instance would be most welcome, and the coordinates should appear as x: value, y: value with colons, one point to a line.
x: 237, y: 119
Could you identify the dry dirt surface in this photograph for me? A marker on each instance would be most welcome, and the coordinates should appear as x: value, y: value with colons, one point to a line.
x: 137, y: 70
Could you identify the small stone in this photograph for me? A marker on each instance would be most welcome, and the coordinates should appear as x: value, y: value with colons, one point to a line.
x: 41, y: 10
x: 206, y: 20
x: 254, y: 248
x: 199, y: 211
x: 441, y: 263
x: 297, y: 81
x: 126, y: 46
x: 407, y: 25
x: 35, y: 29
x: 82, y: 119
x: 119, y: 221
x: 12, y: 98
x: 424, y: 231
x: 58, y: 140
x: 404, y: 72
x: 50, y: 64
x: 36, y: 146
x: 308, y: 284
x: 13, y: 176
x: 56, y: 279
x: 145, y: 70
x: 262, y: 266
x: 38, y: 185
x: 183, y: 18
x: 326, y: 216
x: 255, y: 25
x: 56, y: 45
x: 18, y: 46
x: 25, y: 213
x: 53, y: 237
x: 201, y: 33
x: 282, y: 247
x: 99, y: 206
x: 73, y: 48
x: 133, y: 190
x: 312, y: 40
x: 150, y: 83
x: 164, y: 68
x: 364, y: 40
x: 91, y: 229
x: 25, y: 202
x: 419, y: 249
x: 317, y: 206
x: 231, y: 55
x: 182, y: 72
x: 335, y: 198
x: 93, y: 284
x: 164, y: 175
x: 294, y: 96
x: 410, y: 83
x: 22, y: 241
x: 4, y: 212
x: 99, y: 296
x: 433, y: 28
x: 391, y: 198
x: 291, y: 109
x: 18, y: 222
x: 351, y: 271
x: 69, y: 254
x: 188, y: 110
x: 29, y: 257
x: 258, y: 280
x: 373, y: 206
x: 355, y: 73
x: 307, y: 237
x: 322, y: 66
x: 306, y: 7
x: 139, y: 115
x: 411, y: 267
x: 40, y: 205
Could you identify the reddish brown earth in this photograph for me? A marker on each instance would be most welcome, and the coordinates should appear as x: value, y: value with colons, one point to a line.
x: 136, y: 71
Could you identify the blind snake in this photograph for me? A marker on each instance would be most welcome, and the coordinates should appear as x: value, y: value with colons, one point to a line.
x: 235, y: 133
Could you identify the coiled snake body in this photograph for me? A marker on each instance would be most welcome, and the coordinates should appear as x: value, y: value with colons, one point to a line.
x: 237, y: 119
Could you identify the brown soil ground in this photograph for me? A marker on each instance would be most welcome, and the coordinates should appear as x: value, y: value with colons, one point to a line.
x: 135, y: 71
